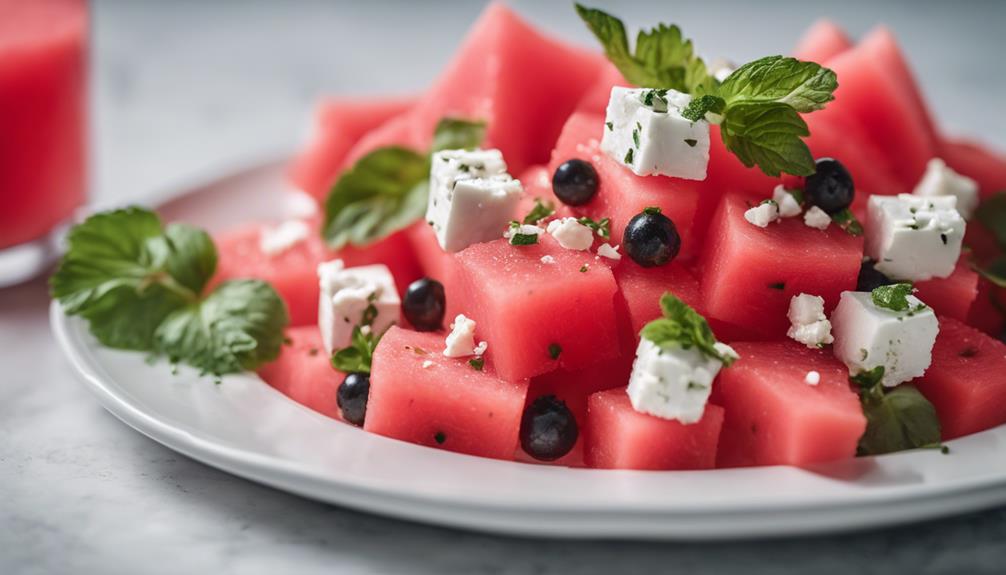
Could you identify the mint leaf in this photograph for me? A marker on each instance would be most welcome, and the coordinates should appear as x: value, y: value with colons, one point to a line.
x: 238, y: 326
x: 768, y: 135
x: 994, y: 271
x: 702, y: 105
x: 869, y: 380
x: 663, y: 57
x: 846, y: 220
x: 893, y: 297
x: 359, y: 355
x: 539, y: 212
x: 601, y: 227
x: 803, y: 86
x: 192, y: 257
x: 900, y: 419
x: 458, y: 134
x: 991, y: 214
x: 477, y: 363
x: 683, y: 327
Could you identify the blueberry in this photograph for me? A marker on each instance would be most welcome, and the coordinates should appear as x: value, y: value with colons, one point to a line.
x: 651, y: 239
x: 870, y: 279
x: 575, y: 182
x: 424, y: 304
x: 548, y: 429
x: 830, y: 187
x: 352, y: 397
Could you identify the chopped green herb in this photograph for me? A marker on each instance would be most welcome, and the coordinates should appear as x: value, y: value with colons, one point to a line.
x: 601, y: 227
x: 846, y: 220
x: 635, y: 136
x: 628, y: 157
x: 477, y: 363
x: 440, y: 437
x: 893, y: 297
x: 540, y: 211
x: 702, y: 105
x: 868, y: 380
x: 652, y: 210
x: 554, y: 350
x: 778, y: 285
x: 610, y: 126
x: 360, y: 353
x: 523, y: 239
x: 584, y: 268
x: 683, y: 327
x: 691, y: 142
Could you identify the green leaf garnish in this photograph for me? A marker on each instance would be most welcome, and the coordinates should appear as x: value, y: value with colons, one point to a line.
x: 868, y: 380
x: 769, y: 135
x: 994, y: 270
x: 601, y: 227
x: 477, y: 363
x: 357, y: 357
x: 702, y: 105
x: 896, y: 420
x: 803, y: 86
x: 458, y: 134
x: 893, y: 297
x: 846, y: 220
x: 140, y: 286
x: 683, y: 327
x: 539, y: 212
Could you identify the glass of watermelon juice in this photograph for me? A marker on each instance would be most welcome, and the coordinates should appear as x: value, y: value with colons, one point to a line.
x: 43, y: 64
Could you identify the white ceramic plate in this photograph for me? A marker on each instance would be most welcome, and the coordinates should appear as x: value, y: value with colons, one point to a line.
x: 246, y: 428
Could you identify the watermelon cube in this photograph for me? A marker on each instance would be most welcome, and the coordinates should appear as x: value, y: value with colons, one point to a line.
x: 535, y: 314
x: 774, y: 417
x: 985, y: 166
x: 749, y: 274
x: 952, y: 296
x: 304, y: 373
x: 397, y: 131
x: 619, y: 437
x: 642, y: 287
x: 821, y: 42
x: 595, y: 99
x: 420, y: 396
x: 965, y: 381
x: 884, y: 50
x: 986, y: 312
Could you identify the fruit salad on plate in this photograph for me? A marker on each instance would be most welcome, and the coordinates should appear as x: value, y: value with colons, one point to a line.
x: 630, y: 257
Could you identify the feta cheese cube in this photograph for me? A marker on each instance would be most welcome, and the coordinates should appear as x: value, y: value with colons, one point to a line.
x: 868, y: 336
x: 571, y: 234
x: 644, y: 130
x: 609, y: 251
x: 788, y: 206
x: 815, y: 217
x: 941, y: 180
x: 346, y: 293
x: 763, y: 214
x: 273, y: 241
x: 472, y: 197
x: 914, y: 238
x: 808, y: 324
x: 672, y: 383
x: 461, y: 341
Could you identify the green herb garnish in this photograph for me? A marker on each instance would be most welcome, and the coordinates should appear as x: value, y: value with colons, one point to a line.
x: 893, y: 297
x: 540, y: 211
x: 683, y: 327
x: 628, y: 157
x: 458, y: 134
x: 846, y: 220
x: 554, y: 350
x: 651, y: 210
x: 358, y: 356
x: 140, y: 286
x: 601, y: 227
x: 477, y: 363
x: 896, y: 420
x: 867, y: 380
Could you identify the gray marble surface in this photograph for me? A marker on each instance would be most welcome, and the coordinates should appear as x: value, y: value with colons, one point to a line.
x: 185, y: 89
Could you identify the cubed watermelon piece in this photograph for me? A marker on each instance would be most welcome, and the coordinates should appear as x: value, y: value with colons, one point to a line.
x: 619, y: 437
x: 976, y: 161
x: 952, y: 296
x: 774, y: 417
x: 304, y: 373
x: 965, y: 381
x: 595, y: 100
x: 521, y: 82
x: 986, y: 312
x: 529, y: 310
x: 397, y: 131
x: 883, y: 48
x: 749, y: 274
x: 338, y: 124
x: 537, y: 182
x: 642, y: 287
x: 447, y: 404
x: 822, y: 41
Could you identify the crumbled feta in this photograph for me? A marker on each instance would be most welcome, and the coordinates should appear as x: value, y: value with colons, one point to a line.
x: 461, y: 341
x: 788, y: 206
x: 763, y: 214
x: 522, y: 230
x: 812, y: 378
x: 275, y: 240
x: 298, y: 205
x: 867, y: 336
x: 941, y: 180
x: 815, y: 217
x: 645, y: 131
x: 471, y: 197
x: 481, y: 348
x: 427, y: 364
x: 913, y: 238
x: 346, y: 293
x: 673, y: 383
x: 546, y: 259
x: 571, y: 234
x: 609, y: 251
x: 808, y: 324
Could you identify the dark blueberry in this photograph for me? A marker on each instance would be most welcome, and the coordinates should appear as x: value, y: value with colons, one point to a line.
x: 870, y: 279
x: 830, y: 187
x: 352, y: 397
x: 575, y: 182
x: 651, y: 238
x: 424, y: 304
x: 548, y: 429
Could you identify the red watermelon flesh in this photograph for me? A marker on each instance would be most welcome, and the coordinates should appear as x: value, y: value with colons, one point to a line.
x: 537, y: 182
x: 437, y: 264
x: 338, y: 125
x: 595, y: 100
x: 884, y: 49
x: 965, y: 381
x: 447, y: 404
x: 773, y: 417
x: 304, y: 373
x: 986, y: 312
x: 524, y: 307
x: 395, y: 132
x: 642, y: 287
x: 619, y: 437
x: 977, y: 162
x: 749, y: 274
x: 822, y: 41
x: 952, y: 296
x: 521, y: 82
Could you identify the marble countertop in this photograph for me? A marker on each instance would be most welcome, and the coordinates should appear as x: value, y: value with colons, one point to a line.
x: 183, y: 90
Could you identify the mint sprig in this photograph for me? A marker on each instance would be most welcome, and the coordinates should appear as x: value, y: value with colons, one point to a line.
x: 540, y: 211
x: 896, y: 420
x: 140, y: 287
x: 358, y: 356
x: 683, y: 327
x: 893, y: 297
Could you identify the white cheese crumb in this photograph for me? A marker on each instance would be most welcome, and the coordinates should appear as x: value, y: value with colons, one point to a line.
x: 297, y: 204
x: 609, y: 251
x: 817, y: 218
x: 788, y: 206
x: 809, y: 325
x: 812, y: 378
x: 427, y: 364
x: 524, y: 230
x: 942, y: 180
x: 481, y: 348
x: 461, y: 341
x: 365, y: 330
x: 763, y: 214
x: 546, y: 259
x: 571, y: 234
x: 276, y: 240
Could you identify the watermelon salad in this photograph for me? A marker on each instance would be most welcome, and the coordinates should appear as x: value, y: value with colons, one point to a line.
x: 627, y: 258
